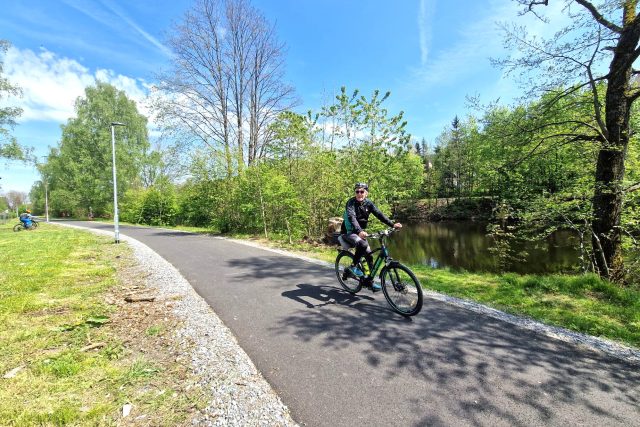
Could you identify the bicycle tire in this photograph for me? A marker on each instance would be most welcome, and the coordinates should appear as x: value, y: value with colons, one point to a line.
x: 402, y: 289
x: 34, y: 224
x: 18, y: 227
x: 349, y: 283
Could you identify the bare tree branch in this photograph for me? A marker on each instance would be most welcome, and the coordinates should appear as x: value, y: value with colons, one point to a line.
x: 632, y: 188
x: 598, y: 16
x: 226, y: 85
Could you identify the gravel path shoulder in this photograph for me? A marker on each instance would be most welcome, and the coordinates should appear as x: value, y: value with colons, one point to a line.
x: 238, y: 394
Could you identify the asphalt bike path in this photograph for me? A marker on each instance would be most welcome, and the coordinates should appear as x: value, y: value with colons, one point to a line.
x: 341, y: 360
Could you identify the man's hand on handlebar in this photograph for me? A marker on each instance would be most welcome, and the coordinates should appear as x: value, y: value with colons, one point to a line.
x: 397, y: 225
x: 363, y: 234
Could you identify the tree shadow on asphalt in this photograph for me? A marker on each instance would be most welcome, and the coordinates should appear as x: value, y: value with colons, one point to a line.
x: 170, y: 233
x: 473, y: 365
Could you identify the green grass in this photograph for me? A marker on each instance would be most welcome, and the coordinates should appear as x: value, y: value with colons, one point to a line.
x: 53, y: 283
x: 581, y: 303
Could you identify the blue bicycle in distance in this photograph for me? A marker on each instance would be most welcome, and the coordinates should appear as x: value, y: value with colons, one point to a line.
x: 400, y: 286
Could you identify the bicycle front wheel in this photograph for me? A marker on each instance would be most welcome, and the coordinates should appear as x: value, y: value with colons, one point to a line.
x: 402, y: 290
x: 350, y: 283
x: 34, y: 224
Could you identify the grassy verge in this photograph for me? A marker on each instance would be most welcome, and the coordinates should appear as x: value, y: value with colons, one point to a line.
x: 73, y: 352
x: 581, y: 303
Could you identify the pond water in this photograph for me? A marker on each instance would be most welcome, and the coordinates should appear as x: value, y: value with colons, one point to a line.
x: 465, y: 245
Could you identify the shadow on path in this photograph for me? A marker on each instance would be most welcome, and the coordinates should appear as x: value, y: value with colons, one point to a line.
x: 470, y: 364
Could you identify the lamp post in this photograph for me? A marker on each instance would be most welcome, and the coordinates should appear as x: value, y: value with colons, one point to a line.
x: 115, y: 185
x: 46, y: 199
x: 46, y: 191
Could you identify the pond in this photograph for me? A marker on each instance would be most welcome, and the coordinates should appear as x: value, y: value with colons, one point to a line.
x: 465, y: 245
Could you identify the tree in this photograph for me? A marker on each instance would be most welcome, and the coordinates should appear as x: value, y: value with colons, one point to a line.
x: 79, y: 170
x: 9, y: 147
x: 572, y: 59
x: 15, y: 199
x: 372, y: 145
x: 455, y: 162
x: 226, y: 79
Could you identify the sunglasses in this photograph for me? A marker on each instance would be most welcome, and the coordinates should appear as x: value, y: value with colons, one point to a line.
x: 360, y: 191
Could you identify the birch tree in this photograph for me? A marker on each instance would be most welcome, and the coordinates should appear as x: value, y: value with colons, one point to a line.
x: 226, y: 83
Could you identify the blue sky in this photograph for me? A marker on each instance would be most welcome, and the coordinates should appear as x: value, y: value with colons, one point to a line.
x: 430, y: 54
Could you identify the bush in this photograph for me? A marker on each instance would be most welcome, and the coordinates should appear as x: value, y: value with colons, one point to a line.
x: 153, y: 206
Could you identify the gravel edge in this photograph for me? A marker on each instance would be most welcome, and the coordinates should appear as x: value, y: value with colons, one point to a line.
x: 238, y: 394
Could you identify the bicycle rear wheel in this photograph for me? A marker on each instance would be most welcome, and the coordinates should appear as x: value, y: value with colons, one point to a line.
x: 402, y: 290
x: 18, y: 227
x: 349, y: 283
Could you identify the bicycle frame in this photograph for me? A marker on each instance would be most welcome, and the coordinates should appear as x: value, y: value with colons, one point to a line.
x: 398, y: 283
x: 383, y: 256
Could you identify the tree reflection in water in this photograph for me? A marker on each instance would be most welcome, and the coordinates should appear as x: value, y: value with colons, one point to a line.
x: 465, y: 245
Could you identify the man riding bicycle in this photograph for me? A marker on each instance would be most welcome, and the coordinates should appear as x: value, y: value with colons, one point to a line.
x: 356, y: 218
x: 25, y: 218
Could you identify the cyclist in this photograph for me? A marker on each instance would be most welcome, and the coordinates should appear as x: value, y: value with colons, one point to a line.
x: 356, y: 218
x: 25, y: 218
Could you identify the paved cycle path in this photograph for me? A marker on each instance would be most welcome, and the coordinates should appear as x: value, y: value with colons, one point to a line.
x: 342, y: 360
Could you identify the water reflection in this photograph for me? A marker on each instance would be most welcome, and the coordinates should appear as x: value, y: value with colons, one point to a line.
x: 465, y: 245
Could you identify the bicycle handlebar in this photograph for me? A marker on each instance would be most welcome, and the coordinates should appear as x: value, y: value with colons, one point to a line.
x: 383, y: 233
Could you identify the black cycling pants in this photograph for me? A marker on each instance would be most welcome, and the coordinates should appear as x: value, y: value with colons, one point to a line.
x: 362, y: 248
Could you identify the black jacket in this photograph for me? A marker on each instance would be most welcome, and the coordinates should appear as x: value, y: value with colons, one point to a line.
x: 356, y: 216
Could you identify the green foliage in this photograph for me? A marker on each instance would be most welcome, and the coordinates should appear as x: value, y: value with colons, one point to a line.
x: 9, y: 147
x: 196, y: 201
x: 456, y: 160
x: 156, y: 205
x: 538, y: 158
x: 304, y: 176
x: 79, y: 170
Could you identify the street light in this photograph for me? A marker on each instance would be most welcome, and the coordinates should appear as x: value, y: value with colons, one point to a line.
x: 46, y: 192
x: 115, y: 185
x: 46, y: 199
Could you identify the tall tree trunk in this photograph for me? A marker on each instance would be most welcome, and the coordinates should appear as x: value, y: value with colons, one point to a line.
x: 608, y: 196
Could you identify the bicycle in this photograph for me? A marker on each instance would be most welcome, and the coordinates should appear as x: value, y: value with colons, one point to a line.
x: 400, y: 286
x: 20, y: 226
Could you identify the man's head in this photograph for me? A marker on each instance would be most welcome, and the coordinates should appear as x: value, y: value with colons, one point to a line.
x: 362, y: 190
x: 28, y: 211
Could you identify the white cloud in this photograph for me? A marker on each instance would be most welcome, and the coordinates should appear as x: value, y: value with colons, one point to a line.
x: 112, y: 16
x: 137, y: 28
x: 425, y: 16
x: 51, y: 84
x: 478, y: 41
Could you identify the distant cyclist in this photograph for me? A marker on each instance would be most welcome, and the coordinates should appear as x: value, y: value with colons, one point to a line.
x: 25, y: 218
x: 356, y: 218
